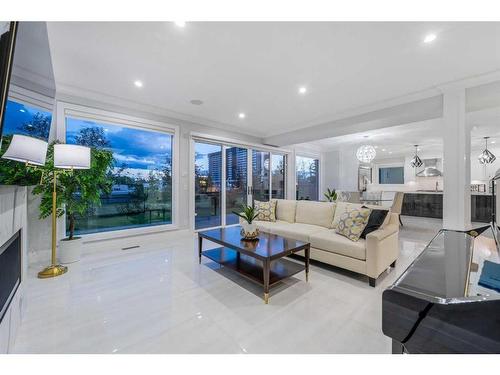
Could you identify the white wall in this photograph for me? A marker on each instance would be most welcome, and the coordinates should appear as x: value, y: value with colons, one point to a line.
x: 340, y: 170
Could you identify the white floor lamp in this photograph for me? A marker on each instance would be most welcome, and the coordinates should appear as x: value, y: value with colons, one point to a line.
x: 65, y: 157
x: 33, y: 151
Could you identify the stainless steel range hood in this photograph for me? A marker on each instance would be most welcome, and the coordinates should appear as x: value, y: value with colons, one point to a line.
x: 430, y: 169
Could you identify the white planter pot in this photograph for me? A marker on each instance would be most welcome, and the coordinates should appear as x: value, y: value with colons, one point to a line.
x: 249, y: 231
x: 70, y: 251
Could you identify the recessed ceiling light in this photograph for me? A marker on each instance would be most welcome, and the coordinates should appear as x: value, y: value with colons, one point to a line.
x: 241, y: 115
x: 390, y: 152
x: 375, y: 147
x: 429, y: 38
x: 492, y: 141
x: 383, y: 149
x: 302, y: 90
x: 196, y: 102
x: 22, y: 110
x: 180, y: 23
x: 138, y: 83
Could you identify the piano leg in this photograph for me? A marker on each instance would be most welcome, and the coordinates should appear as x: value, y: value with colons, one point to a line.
x: 397, y: 347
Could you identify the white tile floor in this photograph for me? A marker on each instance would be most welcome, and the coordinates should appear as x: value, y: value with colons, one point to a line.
x: 158, y: 299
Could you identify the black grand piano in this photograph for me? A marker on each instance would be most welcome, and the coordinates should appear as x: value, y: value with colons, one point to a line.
x: 448, y: 300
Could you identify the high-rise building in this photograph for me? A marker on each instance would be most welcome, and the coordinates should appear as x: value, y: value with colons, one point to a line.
x: 236, y: 166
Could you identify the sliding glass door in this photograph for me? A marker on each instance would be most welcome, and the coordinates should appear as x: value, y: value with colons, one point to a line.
x: 228, y: 177
x: 278, y: 171
x: 236, y: 182
x: 207, y: 185
x: 260, y: 175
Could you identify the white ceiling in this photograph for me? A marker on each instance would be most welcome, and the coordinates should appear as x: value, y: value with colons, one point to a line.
x: 257, y: 67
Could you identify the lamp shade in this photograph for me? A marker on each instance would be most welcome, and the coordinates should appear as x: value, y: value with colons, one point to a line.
x: 71, y: 156
x: 27, y: 150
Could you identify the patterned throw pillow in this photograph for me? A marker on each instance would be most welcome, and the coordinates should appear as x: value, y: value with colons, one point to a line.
x: 352, y: 222
x: 266, y: 210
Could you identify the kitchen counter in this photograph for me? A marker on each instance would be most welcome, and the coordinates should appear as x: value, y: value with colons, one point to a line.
x: 441, y: 192
x: 430, y: 204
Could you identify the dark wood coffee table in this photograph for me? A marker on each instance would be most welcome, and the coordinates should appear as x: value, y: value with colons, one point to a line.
x: 261, y: 261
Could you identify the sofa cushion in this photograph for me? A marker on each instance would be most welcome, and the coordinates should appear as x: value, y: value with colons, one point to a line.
x: 264, y: 226
x: 315, y: 213
x: 285, y: 210
x: 270, y: 226
x: 335, y: 243
x: 297, y: 231
x: 353, y: 222
x: 266, y: 210
x: 375, y: 221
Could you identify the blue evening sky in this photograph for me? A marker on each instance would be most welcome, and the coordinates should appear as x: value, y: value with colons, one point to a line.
x: 201, y: 154
x: 17, y: 114
x: 139, y: 150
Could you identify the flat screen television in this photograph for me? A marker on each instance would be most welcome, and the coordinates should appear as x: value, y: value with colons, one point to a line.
x: 8, y: 32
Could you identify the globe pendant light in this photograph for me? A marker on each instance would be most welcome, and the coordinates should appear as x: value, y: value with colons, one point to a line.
x: 416, y: 162
x: 486, y: 156
x: 366, y: 153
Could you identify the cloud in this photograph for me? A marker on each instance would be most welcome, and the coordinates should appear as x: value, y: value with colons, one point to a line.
x: 136, y: 148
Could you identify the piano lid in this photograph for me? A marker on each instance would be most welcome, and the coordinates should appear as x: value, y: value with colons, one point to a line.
x: 455, y: 267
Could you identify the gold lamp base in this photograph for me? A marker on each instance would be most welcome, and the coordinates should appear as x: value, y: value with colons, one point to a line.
x: 52, y: 271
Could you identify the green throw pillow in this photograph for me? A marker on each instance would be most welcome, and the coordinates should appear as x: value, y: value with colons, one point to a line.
x: 266, y: 210
x: 352, y: 222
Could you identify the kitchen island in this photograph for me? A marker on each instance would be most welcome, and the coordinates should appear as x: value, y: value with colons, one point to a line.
x: 430, y: 204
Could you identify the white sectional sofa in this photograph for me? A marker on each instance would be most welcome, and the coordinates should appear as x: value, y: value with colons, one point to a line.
x: 314, y: 222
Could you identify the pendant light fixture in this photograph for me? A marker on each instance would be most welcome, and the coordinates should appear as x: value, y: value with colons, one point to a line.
x: 486, y: 156
x: 416, y: 162
x: 366, y: 153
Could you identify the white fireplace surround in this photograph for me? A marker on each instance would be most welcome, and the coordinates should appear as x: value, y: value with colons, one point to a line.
x: 13, y: 217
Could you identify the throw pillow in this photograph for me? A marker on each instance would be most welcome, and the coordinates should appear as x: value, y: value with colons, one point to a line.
x: 342, y: 207
x: 352, y: 223
x: 375, y: 221
x: 266, y: 210
x: 339, y: 210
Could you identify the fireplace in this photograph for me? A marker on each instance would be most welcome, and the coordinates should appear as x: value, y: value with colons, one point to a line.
x: 10, y: 271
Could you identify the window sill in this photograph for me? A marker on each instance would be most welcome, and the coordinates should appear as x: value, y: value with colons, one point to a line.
x: 123, y: 233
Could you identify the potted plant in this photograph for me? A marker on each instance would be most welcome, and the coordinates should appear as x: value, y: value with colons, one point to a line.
x: 77, y: 192
x: 249, y: 230
x: 330, y: 195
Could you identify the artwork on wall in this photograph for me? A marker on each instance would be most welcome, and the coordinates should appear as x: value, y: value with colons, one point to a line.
x: 364, y: 177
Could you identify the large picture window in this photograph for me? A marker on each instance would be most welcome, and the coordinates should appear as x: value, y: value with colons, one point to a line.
x: 307, y: 170
x: 142, y: 176
x: 26, y: 120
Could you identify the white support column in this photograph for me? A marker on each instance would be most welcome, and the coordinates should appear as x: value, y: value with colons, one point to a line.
x: 456, y: 162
